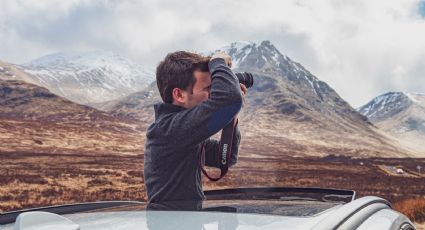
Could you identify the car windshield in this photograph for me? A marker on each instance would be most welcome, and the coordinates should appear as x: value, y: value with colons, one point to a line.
x: 277, y: 108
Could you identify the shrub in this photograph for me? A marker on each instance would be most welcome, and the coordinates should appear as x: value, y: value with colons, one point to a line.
x: 414, y: 209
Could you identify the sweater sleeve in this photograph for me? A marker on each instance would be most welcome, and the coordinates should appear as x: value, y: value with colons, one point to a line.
x: 192, y: 126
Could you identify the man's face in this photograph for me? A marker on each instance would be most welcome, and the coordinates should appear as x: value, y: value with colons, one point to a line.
x: 200, y: 92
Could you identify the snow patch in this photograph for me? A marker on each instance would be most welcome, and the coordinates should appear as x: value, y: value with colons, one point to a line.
x: 412, y: 97
x: 61, y: 90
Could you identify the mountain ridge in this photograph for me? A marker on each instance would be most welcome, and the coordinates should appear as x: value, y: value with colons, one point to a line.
x: 88, y: 78
x: 287, y: 111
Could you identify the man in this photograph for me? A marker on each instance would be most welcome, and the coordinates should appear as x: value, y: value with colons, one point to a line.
x: 201, y: 96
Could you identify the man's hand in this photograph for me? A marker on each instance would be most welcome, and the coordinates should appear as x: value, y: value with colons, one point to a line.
x: 244, y: 91
x: 223, y: 55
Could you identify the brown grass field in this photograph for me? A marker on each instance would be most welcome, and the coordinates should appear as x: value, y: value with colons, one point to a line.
x: 41, y: 179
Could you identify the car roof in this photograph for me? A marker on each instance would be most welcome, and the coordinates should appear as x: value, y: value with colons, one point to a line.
x: 260, y: 200
x: 129, y: 217
x: 246, y: 208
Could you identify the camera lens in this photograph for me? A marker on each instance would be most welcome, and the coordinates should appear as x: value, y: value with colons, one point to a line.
x: 245, y: 78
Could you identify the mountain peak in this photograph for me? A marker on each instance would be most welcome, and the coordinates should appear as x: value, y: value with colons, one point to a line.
x: 391, y: 103
x: 385, y: 105
x: 256, y: 54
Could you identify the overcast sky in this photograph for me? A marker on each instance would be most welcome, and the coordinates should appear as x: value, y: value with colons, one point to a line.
x: 361, y: 48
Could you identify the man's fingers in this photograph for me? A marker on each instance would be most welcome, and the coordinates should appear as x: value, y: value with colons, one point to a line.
x: 229, y: 63
x: 223, y: 55
x: 243, y: 88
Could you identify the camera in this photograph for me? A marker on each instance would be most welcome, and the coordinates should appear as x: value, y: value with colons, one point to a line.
x: 245, y: 78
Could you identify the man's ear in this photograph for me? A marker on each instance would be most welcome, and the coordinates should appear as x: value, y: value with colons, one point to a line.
x: 178, y: 95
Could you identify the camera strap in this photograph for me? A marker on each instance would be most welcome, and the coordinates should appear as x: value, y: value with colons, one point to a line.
x: 225, y: 148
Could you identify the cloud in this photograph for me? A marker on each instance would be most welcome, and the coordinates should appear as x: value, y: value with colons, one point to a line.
x: 361, y: 48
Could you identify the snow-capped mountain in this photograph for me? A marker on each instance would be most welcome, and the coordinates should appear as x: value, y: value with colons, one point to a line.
x: 89, y: 78
x: 288, y: 110
x: 263, y: 55
x: 281, y: 77
x: 400, y: 114
x: 386, y: 106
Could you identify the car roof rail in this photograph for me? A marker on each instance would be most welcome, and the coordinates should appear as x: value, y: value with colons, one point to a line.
x: 10, y: 217
x: 353, y: 214
x: 321, y: 194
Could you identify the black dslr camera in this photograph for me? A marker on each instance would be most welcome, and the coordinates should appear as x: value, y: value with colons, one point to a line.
x: 245, y: 78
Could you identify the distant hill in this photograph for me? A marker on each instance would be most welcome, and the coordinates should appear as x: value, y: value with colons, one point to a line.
x: 32, y: 119
x: 400, y: 114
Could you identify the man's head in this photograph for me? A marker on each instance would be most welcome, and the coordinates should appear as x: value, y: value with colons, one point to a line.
x: 183, y: 79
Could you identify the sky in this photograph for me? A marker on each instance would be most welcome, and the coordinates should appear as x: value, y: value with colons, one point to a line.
x: 361, y: 48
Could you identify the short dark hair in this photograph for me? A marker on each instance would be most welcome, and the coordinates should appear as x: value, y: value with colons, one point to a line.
x: 176, y: 71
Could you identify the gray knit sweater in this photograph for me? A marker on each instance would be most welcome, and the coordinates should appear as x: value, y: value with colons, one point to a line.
x: 171, y: 167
